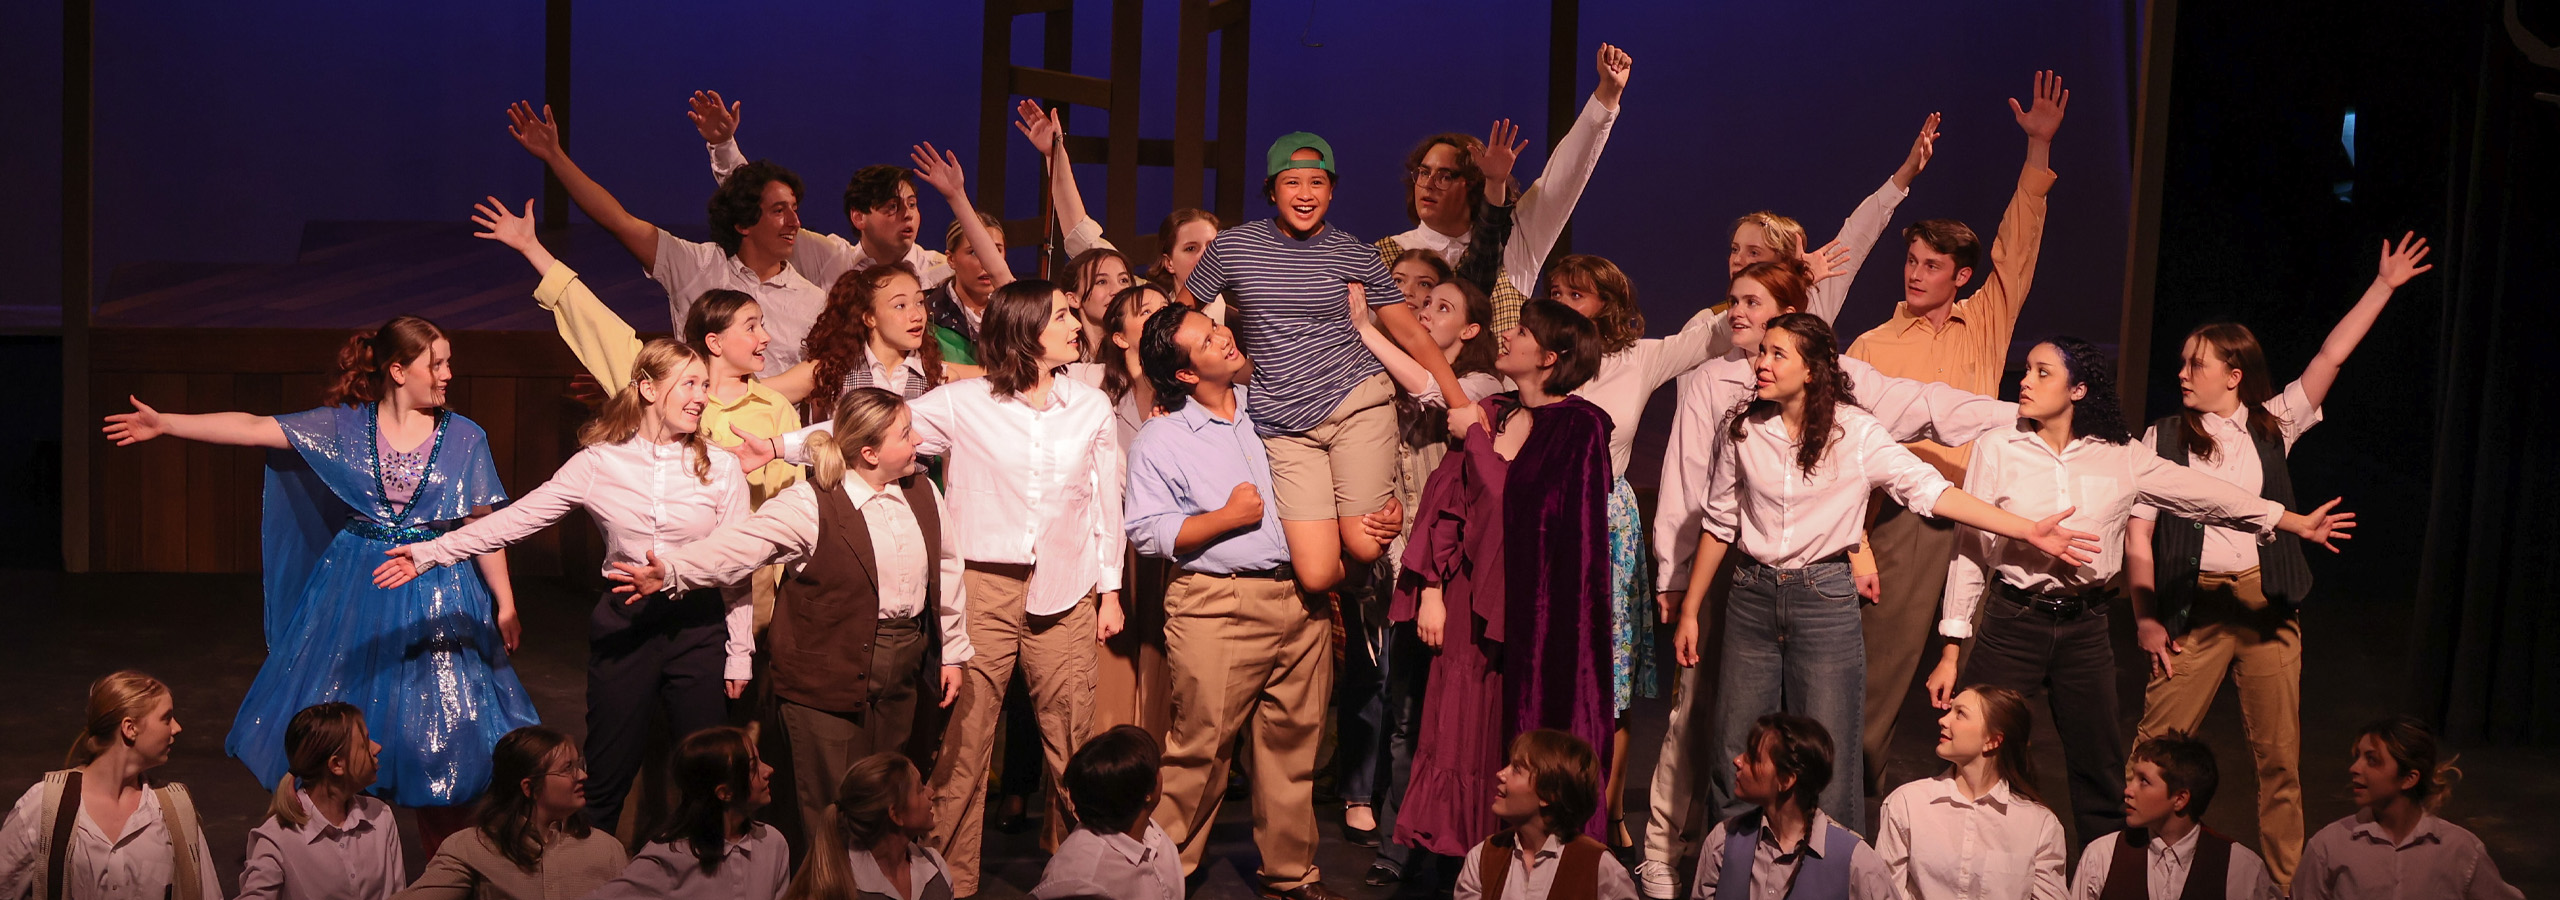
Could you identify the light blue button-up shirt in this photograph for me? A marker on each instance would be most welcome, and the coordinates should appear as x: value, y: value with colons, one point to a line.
x: 1187, y: 463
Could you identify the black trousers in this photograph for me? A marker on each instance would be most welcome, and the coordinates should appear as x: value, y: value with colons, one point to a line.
x: 2072, y: 663
x: 662, y: 652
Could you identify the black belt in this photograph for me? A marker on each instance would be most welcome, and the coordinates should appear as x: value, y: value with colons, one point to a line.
x: 1281, y: 572
x: 1840, y: 557
x: 2064, y: 607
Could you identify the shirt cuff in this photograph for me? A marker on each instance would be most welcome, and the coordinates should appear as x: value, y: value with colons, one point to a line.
x: 1958, y: 629
x: 1930, y: 508
x: 738, y: 668
x: 555, y: 286
x: 2037, y: 181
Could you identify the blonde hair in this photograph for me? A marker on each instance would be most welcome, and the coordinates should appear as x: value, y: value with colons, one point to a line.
x: 860, y: 818
x: 660, y: 359
x: 123, y: 695
x: 862, y: 419
x: 952, y: 242
x: 1782, y: 235
x: 316, y: 735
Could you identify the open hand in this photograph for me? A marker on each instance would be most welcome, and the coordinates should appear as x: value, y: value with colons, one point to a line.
x: 1922, y: 148
x: 1039, y: 126
x: 1615, y: 65
x: 940, y: 169
x: 752, y: 452
x: 718, y: 124
x: 2398, y: 266
x: 142, y: 424
x: 396, y: 571
x: 501, y: 225
x: 2074, y: 547
x: 539, y: 134
x: 1502, y: 146
x: 2044, y: 117
x: 1827, y: 261
x: 2325, y: 526
x: 639, y: 581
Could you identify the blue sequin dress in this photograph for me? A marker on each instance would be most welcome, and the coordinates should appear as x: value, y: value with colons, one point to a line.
x: 424, y: 660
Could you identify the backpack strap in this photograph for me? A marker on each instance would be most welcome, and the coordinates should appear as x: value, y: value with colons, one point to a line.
x: 178, y: 817
x: 59, y: 814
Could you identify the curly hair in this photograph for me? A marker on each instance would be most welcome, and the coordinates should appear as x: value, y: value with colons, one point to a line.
x: 873, y: 187
x: 1826, y: 388
x: 366, y: 358
x: 839, y: 339
x: 2099, y: 413
x: 1621, y: 324
x: 1467, y: 146
x: 740, y: 200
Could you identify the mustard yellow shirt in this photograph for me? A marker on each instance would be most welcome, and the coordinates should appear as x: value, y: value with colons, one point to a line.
x: 606, y: 345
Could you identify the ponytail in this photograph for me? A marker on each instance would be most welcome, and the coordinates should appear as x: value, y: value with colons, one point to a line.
x: 826, y: 461
x: 123, y: 695
x: 365, y: 360
x: 862, y: 421
x: 827, y: 873
x: 316, y: 736
x: 860, y: 819
x: 287, y: 805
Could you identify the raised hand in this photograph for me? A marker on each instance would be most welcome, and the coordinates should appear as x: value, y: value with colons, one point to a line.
x: 2398, y: 266
x: 1827, y: 261
x: 1038, y: 125
x: 142, y: 424
x: 939, y: 169
x: 2322, y: 527
x: 1501, y: 151
x: 397, y: 570
x: 501, y: 225
x: 639, y: 581
x: 718, y: 124
x: 2044, y: 117
x: 2074, y: 547
x: 1615, y: 65
x: 1922, y: 148
x: 539, y: 134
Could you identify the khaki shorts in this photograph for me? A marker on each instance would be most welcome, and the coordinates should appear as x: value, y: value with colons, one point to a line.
x: 1346, y: 464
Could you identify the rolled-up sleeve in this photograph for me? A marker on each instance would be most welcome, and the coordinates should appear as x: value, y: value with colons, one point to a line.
x: 1893, y: 469
x: 1157, y: 503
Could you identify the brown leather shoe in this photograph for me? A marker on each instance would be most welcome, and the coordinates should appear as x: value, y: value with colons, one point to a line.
x: 1314, y: 890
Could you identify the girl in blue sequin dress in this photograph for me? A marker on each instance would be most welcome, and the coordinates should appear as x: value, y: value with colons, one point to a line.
x: 383, y: 465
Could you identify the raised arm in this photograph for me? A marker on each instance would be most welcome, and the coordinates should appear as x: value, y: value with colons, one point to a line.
x: 2019, y: 244
x: 237, y: 429
x: 1847, y: 252
x: 541, y: 137
x: 1548, y: 204
x: 1043, y: 130
x: 2398, y: 266
x: 596, y: 335
x: 1408, y: 374
x: 718, y: 126
x: 942, y: 171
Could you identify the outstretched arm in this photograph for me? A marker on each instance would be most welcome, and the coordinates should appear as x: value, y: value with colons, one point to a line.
x: 237, y: 429
x: 2398, y: 266
x: 541, y: 137
x: 1042, y: 129
x: 942, y: 170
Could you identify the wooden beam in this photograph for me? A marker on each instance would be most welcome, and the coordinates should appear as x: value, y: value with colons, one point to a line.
x: 79, y: 27
x: 1190, y: 103
x: 1564, y: 58
x: 555, y: 91
x: 995, y: 75
x: 1064, y: 87
x: 1234, y: 21
x: 2150, y: 170
x: 1120, y: 181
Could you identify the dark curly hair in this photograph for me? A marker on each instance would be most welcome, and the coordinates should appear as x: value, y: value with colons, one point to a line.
x: 2099, y: 413
x: 1826, y: 388
x: 873, y: 187
x: 1160, y: 355
x: 740, y: 200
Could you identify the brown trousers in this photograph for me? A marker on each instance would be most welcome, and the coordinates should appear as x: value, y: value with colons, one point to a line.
x: 1132, y: 681
x: 1911, y: 562
x: 1246, y: 651
x: 2233, y: 631
x: 1056, y: 655
x: 824, y: 744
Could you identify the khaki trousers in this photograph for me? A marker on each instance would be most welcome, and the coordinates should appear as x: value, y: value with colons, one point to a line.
x: 1912, y: 552
x: 1056, y: 655
x: 1246, y: 651
x: 2233, y: 631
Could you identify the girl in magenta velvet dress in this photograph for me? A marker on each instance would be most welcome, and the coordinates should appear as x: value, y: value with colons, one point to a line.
x: 1507, y: 578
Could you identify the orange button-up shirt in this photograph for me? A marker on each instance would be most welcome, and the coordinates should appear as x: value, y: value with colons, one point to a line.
x: 1970, y: 350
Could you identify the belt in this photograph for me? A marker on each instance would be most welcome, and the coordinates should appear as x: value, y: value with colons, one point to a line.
x: 1840, y: 557
x: 395, y: 534
x: 1281, y: 572
x: 2064, y: 607
x: 1015, y: 571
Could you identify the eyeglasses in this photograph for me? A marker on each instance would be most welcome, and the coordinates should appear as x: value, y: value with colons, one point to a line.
x: 1436, y: 177
x: 574, y: 770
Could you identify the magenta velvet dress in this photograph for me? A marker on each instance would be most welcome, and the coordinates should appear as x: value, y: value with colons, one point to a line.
x: 1518, y: 547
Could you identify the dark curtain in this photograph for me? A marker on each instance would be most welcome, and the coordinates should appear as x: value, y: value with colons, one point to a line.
x: 2485, y: 642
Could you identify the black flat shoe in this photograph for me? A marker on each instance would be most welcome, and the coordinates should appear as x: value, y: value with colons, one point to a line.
x: 1360, y: 837
x: 1381, y: 875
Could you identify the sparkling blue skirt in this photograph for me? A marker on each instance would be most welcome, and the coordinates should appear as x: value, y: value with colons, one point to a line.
x: 424, y: 661
x: 1631, y: 616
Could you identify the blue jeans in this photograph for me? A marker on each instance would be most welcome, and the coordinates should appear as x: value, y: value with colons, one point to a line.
x: 1793, y: 643
x: 1360, y: 693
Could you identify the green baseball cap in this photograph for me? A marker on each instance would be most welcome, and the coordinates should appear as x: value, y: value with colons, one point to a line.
x: 1289, y: 144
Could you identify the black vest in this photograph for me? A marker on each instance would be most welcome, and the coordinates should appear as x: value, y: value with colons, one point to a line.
x: 2177, y: 545
x: 2129, y: 874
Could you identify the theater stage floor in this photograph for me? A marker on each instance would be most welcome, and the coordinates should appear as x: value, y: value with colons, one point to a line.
x: 201, y: 634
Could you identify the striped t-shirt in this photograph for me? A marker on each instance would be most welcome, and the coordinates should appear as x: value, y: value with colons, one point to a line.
x: 1289, y: 303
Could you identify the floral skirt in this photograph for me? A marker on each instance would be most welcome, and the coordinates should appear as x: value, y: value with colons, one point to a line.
x: 1630, y: 600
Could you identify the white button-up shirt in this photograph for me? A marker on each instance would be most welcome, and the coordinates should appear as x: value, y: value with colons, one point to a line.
x: 1774, y: 867
x: 1763, y: 504
x: 754, y: 867
x: 1940, y: 845
x: 2354, y: 859
x: 2236, y: 460
x: 823, y: 258
x: 790, y: 303
x: 2017, y: 471
x: 785, y: 530
x: 1538, y: 217
x: 644, y: 496
x: 1112, y: 864
x: 1037, y: 487
x: 2166, y: 866
x: 360, y: 860
x: 923, y: 866
x: 132, y: 865
x: 1533, y: 875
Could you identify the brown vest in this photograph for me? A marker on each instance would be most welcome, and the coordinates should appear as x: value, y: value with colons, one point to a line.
x: 2129, y: 874
x: 1577, y: 870
x: 828, y: 612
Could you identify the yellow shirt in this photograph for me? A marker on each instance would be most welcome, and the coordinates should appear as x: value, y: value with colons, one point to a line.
x: 1971, y: 349
x: 606, y: 345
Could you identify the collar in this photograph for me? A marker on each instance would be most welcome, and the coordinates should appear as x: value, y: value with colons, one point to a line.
x: 1194, y: 416
x: 781, y: 277
x: 363, y: 814
x: 2024, y: 433
x: 2237, y: 422
x: 868, y: 878
x: 1813, y: 834
x: 756, y: 393
x: 1902, y: 310
x: 1998, y: 798
x: 2367, y: 829
x: 1553, y: 847
x: 1423, y: 238
x: 861, y: 492
x: 1137, y: 852
x: 914, y: 363
x: 2183, y: 852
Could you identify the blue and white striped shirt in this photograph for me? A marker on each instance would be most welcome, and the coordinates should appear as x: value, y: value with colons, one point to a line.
x: 1289, y: 303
